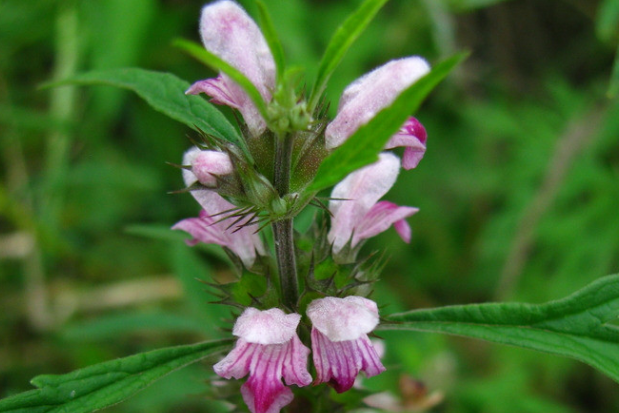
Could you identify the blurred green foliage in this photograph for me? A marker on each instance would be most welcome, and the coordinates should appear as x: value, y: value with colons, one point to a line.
x: 518, y: 191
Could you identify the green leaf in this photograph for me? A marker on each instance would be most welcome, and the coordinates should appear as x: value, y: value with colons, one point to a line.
x: 198, y: 52
x: 577, y: 326
x: 341, y: 41
x: 105, y: 384
x: 363, y: 147
x: 266, y: 24
x: 165, y: 93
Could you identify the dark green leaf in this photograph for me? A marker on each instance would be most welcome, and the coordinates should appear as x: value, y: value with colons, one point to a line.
x: 341, y: 41
x: 165, y: 93
x: 200, y: 53
x: 363, y: 147
x: 266, y: 24
x: 95, y: 387
x: 577, y: 326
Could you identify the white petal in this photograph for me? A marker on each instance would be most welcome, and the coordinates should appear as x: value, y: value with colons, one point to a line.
x: 266, y: 327
x: 343, y: 319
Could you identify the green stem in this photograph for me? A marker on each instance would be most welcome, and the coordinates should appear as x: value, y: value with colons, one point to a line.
x: 283, y: 232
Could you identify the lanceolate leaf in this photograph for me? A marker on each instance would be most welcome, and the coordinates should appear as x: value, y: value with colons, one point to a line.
x: 341, y: 41
x: 105, y: 384
x: 577, y: 326
x: 363, y: 147
x: 165, y: 93
x: 200, y: 53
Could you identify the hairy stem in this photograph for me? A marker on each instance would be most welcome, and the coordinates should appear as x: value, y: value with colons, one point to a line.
x: 283, y: 229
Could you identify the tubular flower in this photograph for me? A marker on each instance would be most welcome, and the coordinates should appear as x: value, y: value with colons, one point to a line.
x: 357, y: 214
x: 371, y: 93
x: 212, y: 226
x: 268, y: 349
x: 229, y: 33
x: 340, y: 345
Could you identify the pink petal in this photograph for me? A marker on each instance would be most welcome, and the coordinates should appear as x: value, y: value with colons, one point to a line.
x: 264, y: 391
x: 341, y: 319
x: 228, y: 32
x: 380, y: 218
x: 202, y: 230
x: 295, y: 369
x: 368, y: 95
x: 359, y: 192
x: 413, y: 137
x: 338, y: 363
x: 217, y: 89
x: 403, y: 230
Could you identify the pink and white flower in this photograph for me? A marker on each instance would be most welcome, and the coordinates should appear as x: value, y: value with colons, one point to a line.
x: 357, y: 213
x: 340, y: 344
x: 371, y: 93
x: 268, y: 349
x: 228, y: 32
x: 211, y: 226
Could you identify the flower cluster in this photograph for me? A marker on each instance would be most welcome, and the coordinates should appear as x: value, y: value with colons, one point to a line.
x: 237, y: 193
x: 268, y: 349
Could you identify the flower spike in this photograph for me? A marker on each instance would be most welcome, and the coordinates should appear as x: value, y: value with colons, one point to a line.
x: 268, y: 349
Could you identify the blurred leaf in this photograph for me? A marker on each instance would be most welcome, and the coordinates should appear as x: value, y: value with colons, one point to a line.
x: 118, y: 325
x: 193, y: 272
x: 165, y: 93
x: 463, y: 5
x: 118, y: 30
x: 614, y: 79
x: 363, y: 147
x: 607, y: 21
x: 160, y: 232
x: 576, y: 326
x: 341, y: 41
x: 266, y: 24
x: 105, y: 384
x: 200, y: 53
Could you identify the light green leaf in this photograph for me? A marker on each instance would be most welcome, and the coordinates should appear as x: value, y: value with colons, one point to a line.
x: 341, y: 41
x: 363, y: 147
x: 266, y: 24
x: 165, y: 93
x: 95, y: 387
x: 578, y: 326
x: 198, y: 52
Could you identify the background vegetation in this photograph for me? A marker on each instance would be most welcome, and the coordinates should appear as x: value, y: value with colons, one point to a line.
x: 518, y: 191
